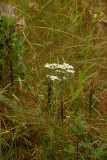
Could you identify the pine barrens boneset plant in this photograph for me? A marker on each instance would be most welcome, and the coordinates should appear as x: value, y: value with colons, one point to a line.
x: 60, y: 71
x: 59, y: 76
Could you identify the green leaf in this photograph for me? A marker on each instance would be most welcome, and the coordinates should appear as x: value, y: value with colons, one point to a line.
x: 86, y: 70
x: 16, y: 132
x: 82, y: 129
x: 80, y: 78
x: 100, y: 151
x: 12, y: 104
x: 89, y: 76
x: 73, y: 128
x: 80, y: 115
x: 76, y: 94
x: 72, y: 90
x: 70, y: 150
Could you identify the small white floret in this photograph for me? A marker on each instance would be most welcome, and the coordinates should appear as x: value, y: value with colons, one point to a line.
x: 67, y: 66
x: 64, y: 78
x: 70, y: 71
x: 53, y: 77
x: 60, y: 71
x: 67, y: 116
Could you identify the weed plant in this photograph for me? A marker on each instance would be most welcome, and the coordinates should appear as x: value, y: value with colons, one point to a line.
x: 55, y: 120
x: 11, y: 52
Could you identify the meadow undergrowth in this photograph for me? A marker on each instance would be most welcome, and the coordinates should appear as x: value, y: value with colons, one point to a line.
x: 55, y: 106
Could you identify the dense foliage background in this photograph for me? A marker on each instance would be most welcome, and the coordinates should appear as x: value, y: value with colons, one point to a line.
x: 53, y: 80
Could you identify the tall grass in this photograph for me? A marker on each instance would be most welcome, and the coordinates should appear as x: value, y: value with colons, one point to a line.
x: 40, y: 125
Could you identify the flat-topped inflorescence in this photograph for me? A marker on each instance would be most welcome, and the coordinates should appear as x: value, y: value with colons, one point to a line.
x: 62, y: 69
x: 63, y: 66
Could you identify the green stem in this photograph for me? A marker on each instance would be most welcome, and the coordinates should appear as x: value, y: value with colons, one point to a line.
x: 0, y: 140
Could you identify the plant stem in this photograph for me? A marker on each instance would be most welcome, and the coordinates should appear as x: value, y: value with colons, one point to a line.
x: 62, y: 1
x: 7, y: 58
x: 77, y: 141
x: 11, y: 73
x: 77, y: 146
x: 0, y: 140
x: 90, y: 100
x: 20, y: 146
x: 49, y: 93
x: 62, y: 114
x: 62, y: 110
x: 90, y: 97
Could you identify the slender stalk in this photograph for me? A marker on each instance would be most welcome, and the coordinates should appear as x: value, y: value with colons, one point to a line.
x: 49, y: 93
x: 11, y: 63
x: 77, y: 145
x: 11, y: 73
x: 90, y: 100
x: 76, y: 6
x: 7, y: 58
x: 77, y: 142
x: 20, y: 145
x: 62, y: 114
x: 90, y: 97
x: 62, y: 1
x: 62, y: 110
x: 0, y: 140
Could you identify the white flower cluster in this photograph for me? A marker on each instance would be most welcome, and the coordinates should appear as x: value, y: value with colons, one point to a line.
x: 60, y: 67
x: 53, y: 78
